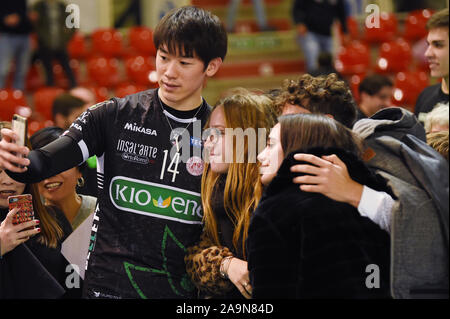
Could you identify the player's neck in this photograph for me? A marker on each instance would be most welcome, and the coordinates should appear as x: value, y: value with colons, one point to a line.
x: 188, y: 104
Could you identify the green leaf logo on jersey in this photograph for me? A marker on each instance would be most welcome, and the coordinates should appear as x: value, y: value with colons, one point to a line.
x: 185, y: 284
x: 156, y: 200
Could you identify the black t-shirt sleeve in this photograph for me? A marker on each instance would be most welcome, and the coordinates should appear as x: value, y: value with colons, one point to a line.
x: 91, y: 128
x: 83, y: 139
x: 54, y: 158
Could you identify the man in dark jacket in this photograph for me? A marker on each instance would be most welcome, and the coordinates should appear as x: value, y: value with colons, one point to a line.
x: 15, y: 28
x: 53, y: 37
x: 313, y: 20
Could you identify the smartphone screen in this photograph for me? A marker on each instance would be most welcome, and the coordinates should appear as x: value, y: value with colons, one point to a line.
x: 25, y: 204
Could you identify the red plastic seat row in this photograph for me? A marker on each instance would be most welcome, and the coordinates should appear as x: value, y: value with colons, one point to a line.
x: 11, y: 102
x: 387, y: 30
x: 407, y: 87
x: 109, y: 42
x: 394, y: 56
x: 353, y: 59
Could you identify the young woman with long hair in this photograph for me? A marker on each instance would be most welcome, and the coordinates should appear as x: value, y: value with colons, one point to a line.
x: 230, y: 193
x: 42, y: 237
x: 306, y: 245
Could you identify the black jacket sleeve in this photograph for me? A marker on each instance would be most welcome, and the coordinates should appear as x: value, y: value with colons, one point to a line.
x: 54, y: 158
x: 299, y: 11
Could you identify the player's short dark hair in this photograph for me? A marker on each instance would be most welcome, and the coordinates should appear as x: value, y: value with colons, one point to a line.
x: 65, y: 103
x: 372, y: 84
x: 190, y: 30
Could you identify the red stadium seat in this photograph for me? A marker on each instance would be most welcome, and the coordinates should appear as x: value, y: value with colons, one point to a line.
x: 355, y: 81
x: 139, y: 68
x: 107, y: 42
x: 415, y: 24
x: 103, y: 71
x: 35, y: 78
x: 43, y: 101
x: 353, y: 28
x: 60, y: 76
x: 101, y: 93
x: 11, y: 102
x: 353, y: 59
x: 394, y: 56
x: 77, y: 46
x: 125, y: 89
x: 141, y: 39
x: 386, y: 31
x: 407, y: 87
x: 34, y: 126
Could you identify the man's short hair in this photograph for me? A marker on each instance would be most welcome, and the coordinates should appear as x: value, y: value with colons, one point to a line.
x: 192, y: 31
x: 438, y: 20
x: 372, y: 84
x: 65, y: 103
x: 321, y: 95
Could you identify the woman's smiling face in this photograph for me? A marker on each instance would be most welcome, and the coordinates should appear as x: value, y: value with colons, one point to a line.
x: 8, y: 187
x: 271, y: 157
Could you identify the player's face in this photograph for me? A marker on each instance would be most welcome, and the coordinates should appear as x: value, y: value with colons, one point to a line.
x: 8, y: 187
x: 215, y: 143
x: 181, y: 79
x: 61, y: 187
x: 437, y: 52
x: 271, y: 157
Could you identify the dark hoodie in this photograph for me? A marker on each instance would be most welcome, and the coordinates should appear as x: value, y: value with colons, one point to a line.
x: 306, y: 245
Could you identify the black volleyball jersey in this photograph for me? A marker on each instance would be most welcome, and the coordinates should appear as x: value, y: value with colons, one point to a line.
x: 149, y: 206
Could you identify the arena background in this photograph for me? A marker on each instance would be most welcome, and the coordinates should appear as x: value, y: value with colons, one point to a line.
x: 116, y: 60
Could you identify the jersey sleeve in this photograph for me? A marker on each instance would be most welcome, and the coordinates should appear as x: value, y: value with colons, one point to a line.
x: 83, y: 139
x: 89, y: 130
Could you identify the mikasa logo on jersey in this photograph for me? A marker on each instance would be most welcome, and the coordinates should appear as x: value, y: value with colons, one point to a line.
x: 133, y: 127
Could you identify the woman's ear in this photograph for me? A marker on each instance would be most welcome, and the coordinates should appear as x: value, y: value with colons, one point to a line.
x: 213, y: 66
x: 330, y: 116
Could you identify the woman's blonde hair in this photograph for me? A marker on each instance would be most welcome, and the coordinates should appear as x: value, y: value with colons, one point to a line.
x: 437, y: 116
x: 242, y: 189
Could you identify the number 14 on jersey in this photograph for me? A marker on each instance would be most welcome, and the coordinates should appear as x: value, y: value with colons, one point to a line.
x: 173, y: 166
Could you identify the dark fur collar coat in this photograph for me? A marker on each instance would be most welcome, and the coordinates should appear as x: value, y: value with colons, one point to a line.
x: 305, y: 245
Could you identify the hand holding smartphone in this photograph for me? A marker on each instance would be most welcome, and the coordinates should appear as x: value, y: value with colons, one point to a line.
x: 25, y: 205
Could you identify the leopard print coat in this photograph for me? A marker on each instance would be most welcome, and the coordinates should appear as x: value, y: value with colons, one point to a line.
x: 203, y: 266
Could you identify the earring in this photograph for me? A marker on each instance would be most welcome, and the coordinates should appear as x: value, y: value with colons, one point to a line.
x: 80, y: 182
